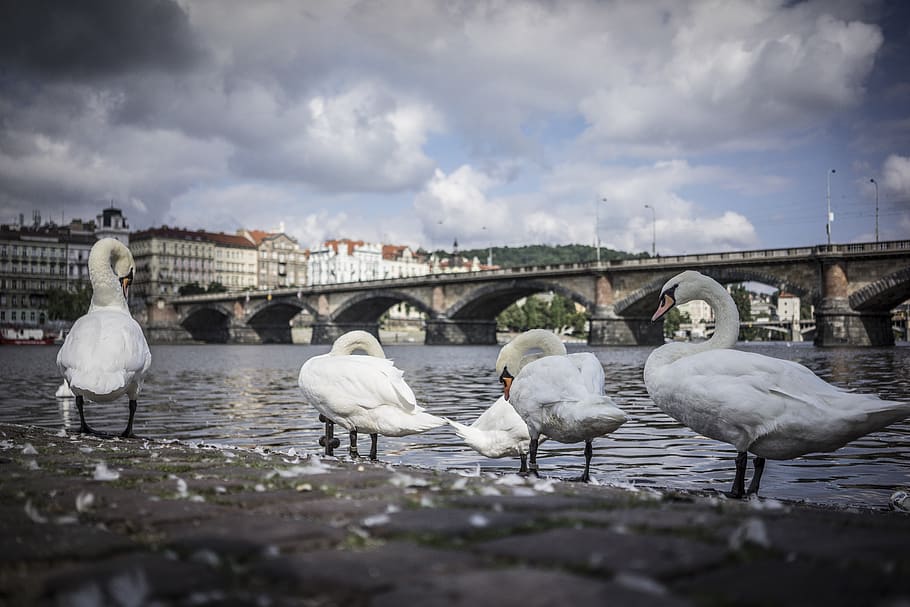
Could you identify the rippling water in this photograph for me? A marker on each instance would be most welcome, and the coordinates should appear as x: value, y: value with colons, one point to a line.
x: 247, y: 395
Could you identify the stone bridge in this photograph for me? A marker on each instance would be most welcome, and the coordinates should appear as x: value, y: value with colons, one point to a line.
x: 854, y: 287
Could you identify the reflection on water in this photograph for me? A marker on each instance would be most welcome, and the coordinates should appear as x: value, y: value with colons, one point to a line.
x: 247, y: 395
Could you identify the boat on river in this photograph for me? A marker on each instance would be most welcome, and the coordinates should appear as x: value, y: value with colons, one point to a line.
x: 18, y: 336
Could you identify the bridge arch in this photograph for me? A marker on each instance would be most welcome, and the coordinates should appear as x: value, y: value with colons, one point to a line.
x: 271, y: 320
x: 208, y: 322
x: 486, y: 302
x: 370, y: 306
x: 884, y: 294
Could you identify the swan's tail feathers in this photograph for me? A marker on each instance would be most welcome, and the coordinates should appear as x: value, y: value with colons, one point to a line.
x: 891, y: 412
x: 489, y: 443
x: 96, y: 386
x: 604, y: 414
x: 472, y: 436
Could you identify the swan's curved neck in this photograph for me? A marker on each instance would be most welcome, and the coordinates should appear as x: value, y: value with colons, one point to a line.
x: 726, y: 318
x: 513, y: 354
x: 106, y: 289
x: 357, y: 340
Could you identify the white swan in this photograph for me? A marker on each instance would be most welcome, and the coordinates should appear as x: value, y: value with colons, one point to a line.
x: 64, y: 391
x: 361, y: 393
x: 105, y: 355
x: 498, y: 432
x: 773, y: 408
x: 560, y: 396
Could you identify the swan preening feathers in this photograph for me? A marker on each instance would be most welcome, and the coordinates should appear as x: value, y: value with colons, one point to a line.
x: 362, y: 393
x: 557, y: 395
x: 772, y: 408
x: 105, y: 355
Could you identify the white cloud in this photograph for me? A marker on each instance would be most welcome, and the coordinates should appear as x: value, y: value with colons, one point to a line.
x: 896, y: 176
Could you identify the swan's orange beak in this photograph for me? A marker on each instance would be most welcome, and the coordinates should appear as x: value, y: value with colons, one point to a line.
x: 125, y: 284
x: 506, y: 380
x: 666, y: 302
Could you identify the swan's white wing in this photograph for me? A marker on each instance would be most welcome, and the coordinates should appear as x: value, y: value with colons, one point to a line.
x: 551, y: 379
x: 501, y: 416
x: 592, y: 372
x: 105, y: 352
x: 744, y: 398
x: 356, y: 381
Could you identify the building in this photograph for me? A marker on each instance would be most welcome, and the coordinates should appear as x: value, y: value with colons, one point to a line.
x: 281, y: 262
x: 788, y: 307
x: 236, y: 260
x: 699, y: 311
x: 112, y: 224
x: 36, y: 259
x: 170, y: 258
x: 399, y: 261
x: 344, y: 260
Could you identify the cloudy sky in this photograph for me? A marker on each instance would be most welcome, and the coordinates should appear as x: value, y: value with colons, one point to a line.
x: 493, y: 122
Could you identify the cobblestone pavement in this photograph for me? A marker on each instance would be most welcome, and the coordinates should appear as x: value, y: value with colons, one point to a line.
x: 89, y: 521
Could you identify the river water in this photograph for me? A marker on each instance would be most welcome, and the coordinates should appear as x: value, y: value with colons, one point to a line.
x: 248, y: 396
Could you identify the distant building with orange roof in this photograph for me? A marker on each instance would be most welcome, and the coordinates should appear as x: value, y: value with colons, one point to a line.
x: 281, y: 262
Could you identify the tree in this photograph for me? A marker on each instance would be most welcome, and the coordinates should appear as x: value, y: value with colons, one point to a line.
x: 192, y: 288
x: 744, y: 305
x: 216, y: 287
x: 64, y: 304
x: 558, y: 315
x: 673, y: 319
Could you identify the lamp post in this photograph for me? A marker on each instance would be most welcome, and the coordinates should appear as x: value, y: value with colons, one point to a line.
x: 830, y: 217
x: 490, y: 252
x: 597, y: 226
x: 653, y: 230
x: 875, y: 183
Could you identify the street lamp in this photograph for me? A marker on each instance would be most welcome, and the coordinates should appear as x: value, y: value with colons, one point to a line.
x: 653, y: 230
x: 875, y: 183
x: 597, y: 226
x: 830, y: 215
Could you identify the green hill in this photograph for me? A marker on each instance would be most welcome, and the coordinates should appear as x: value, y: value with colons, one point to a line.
x: 536, y: 255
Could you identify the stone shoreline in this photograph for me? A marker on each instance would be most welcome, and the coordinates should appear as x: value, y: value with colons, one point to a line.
x: 89, y: 521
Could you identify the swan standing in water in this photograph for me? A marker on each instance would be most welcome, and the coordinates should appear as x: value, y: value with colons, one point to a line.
x: 498, y: 432
x: 361, y: 393
x: 105, y: 354
x: 558, y: 395
x: 773, y: 408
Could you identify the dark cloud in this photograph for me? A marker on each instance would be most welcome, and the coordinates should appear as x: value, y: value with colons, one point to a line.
x: 94, y: 38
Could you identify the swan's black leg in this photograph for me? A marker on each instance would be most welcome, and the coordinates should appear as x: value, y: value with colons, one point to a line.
x: 739, y: 482
x: 128, y: 433
x: 83, y: 427
x: 759, y: 463
x: 524, y: 463
x: 532, y: 462
x: 586, y: 475
x: 328, y: 440
x: 352, y: 450
x: 374, y: 438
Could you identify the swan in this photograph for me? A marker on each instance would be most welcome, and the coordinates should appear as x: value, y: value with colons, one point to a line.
x: 772, y: 408
x: 498, y: 432
x: 361, y: 393
x: 64, y: 391
x: 105, y: 355
x: 557, y: 395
